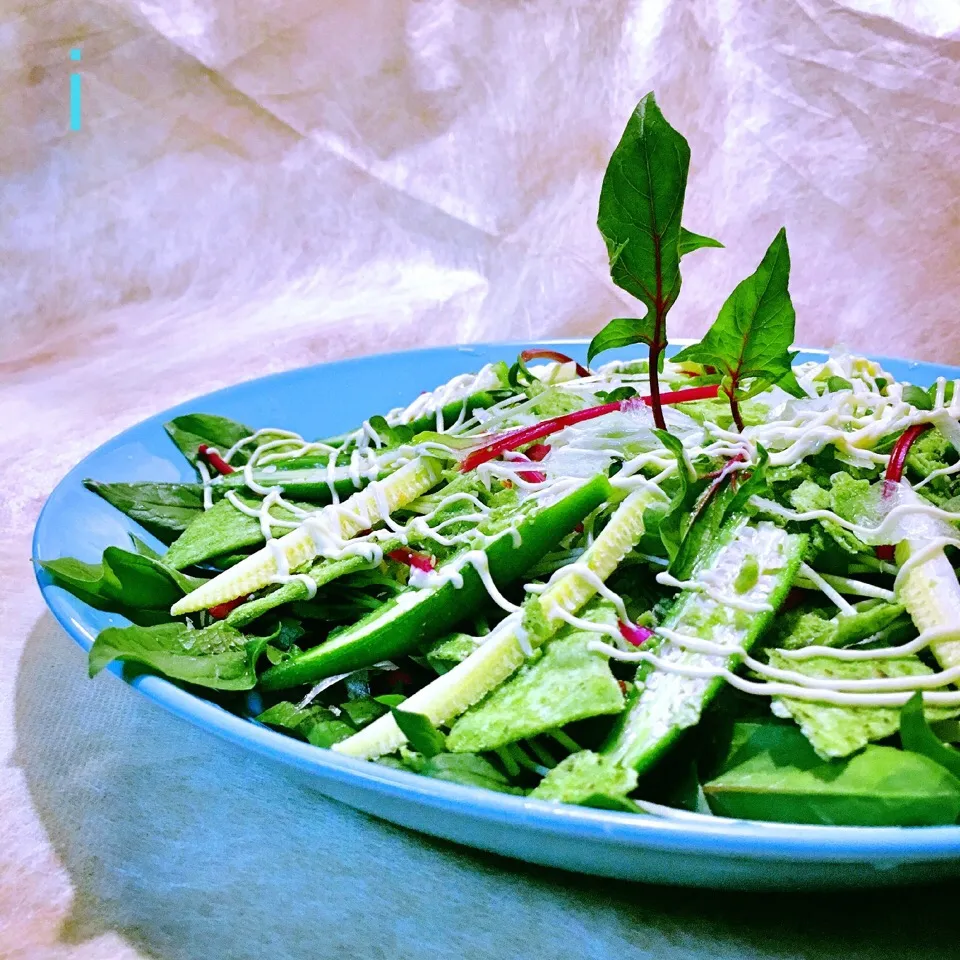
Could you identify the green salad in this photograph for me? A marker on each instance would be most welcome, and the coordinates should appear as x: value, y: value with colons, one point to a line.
x: 721, y: 582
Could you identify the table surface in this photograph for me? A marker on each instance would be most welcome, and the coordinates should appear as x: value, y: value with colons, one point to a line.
x: 127, y: 833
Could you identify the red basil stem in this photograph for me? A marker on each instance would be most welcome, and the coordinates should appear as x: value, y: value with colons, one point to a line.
x: 419, y: 561
x: 894, y: 474
x: 214, y: 460
x: 633, y: 633
x: 537, y: 431
x: 556, y: 355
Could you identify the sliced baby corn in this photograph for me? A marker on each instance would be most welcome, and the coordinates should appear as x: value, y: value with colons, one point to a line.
x: 929, y: 590
x: 503, y: 651
x: 334, y: 523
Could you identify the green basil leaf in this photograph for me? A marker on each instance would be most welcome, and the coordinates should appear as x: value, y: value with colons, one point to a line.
x: 641, y: 204
x: 422, y: 735
x: 622, y: 332
x: 751, y: 337
x: 690, y: 241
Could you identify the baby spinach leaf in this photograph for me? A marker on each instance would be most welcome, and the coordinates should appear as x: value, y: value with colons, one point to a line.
x: 137, y: 586
x: 315, y: 724
x: 776, y: 775
x: 163, y: 509
x: 193, y: 429
x: 422, y: 735
x: 750, y: 340
x: 641, y: 204
x: 916, y: 735
x: 690, y: 241
x: 218, y: 657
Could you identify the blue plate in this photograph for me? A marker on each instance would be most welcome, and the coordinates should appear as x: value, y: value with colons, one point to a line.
x: 689, y: 849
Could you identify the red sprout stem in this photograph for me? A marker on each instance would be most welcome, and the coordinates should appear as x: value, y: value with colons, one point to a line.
x: 894, y: 474
x: 214, y: 459
x: 633, y: 633
x: 526, y: 355
x: 419, y: 561
x: 537, y: 431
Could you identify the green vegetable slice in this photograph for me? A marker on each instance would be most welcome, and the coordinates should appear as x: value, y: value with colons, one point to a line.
x: 507, y: 646
x: 670, y: 702
x: 418, y: 615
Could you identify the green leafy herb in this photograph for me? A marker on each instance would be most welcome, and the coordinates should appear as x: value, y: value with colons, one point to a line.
x: 422, y: 735
x: 135, y: 585
x: 193, y: 429
x: 674, y: 524
x: 917, y: 397
x: 836, y: 384
x: 163, y: 509
x: 750, y: 340
x: 315, y: 724
x: 392, y: 436
x: 218, y: 657
x: 916, y: 735
x: 690, y: 241
x: 641, y: 203
x: 774, y: 774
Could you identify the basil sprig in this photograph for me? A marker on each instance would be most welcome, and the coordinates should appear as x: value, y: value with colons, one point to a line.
x: 641, y: 203
x: 749, y: 342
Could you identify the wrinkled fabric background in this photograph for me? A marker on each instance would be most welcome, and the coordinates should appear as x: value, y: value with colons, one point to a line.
x: 258, y: 186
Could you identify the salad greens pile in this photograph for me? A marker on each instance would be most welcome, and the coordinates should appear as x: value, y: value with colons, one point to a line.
x: 722, y: 582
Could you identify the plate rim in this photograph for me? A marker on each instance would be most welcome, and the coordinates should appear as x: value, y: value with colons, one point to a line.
x: 687, y: 833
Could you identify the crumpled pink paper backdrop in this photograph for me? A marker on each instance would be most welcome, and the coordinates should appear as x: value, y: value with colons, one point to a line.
x: 258, y: 186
